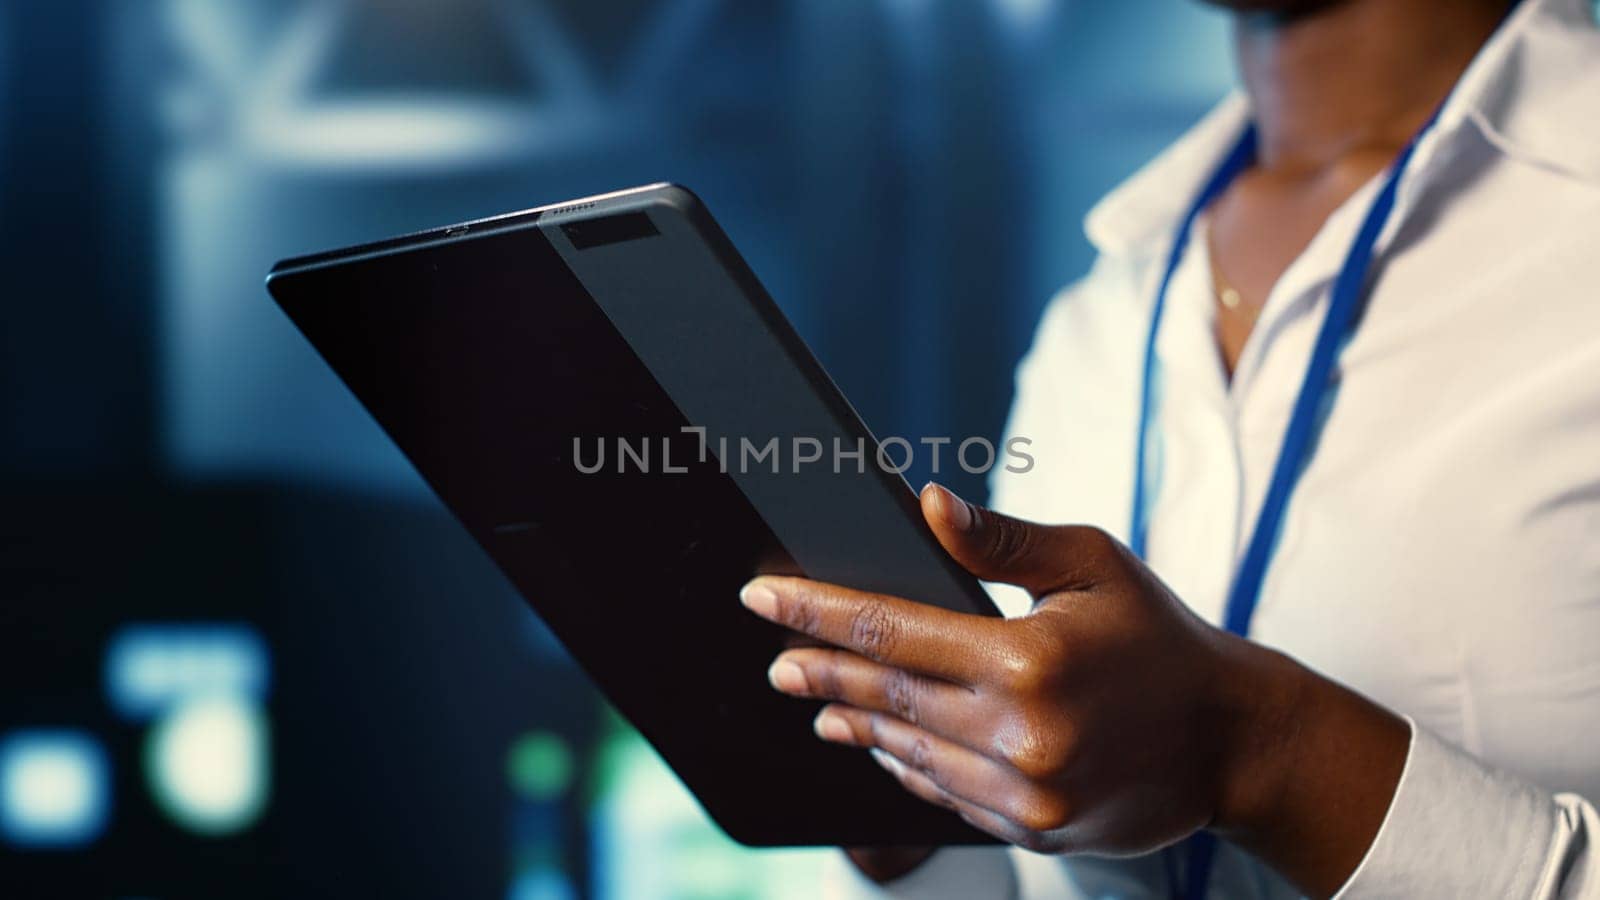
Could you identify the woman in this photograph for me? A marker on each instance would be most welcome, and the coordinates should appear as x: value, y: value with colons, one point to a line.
x: 1336, y: 379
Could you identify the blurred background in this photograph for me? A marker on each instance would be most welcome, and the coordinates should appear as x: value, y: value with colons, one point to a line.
x: 243, y: 652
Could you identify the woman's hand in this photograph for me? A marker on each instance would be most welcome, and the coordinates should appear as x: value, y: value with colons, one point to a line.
x: 1110, y: 720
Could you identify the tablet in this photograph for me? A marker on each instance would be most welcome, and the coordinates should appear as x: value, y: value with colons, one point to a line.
x: 606, y: 398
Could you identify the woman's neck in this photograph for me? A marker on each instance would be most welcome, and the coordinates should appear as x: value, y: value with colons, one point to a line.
x: 1354, y: 75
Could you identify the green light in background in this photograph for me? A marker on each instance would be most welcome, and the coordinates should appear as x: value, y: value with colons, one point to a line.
x: 652, y: 841
x: 539, y: 765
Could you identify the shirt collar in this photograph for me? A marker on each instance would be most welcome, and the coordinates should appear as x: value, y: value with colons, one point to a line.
x: 1531, y: 91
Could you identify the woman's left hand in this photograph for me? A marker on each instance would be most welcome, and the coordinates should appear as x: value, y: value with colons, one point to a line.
x: 1109, y: 720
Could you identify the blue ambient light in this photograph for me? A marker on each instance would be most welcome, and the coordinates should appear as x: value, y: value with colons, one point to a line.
x: 55, y: 789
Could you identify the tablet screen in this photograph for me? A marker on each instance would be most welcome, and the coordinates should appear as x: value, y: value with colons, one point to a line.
x: 507, y: 386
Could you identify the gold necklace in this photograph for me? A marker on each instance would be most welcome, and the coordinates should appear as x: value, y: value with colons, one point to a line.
x: 1227, y: 294
x: 1230, y: 298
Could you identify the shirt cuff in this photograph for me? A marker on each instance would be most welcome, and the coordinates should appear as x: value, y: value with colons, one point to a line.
x: 1456, y: 828
x: 954, y: 872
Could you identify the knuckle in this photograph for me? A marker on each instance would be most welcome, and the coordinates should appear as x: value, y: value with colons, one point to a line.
x: 921, y: 759
x: 1025, y: 669
x: 872, y: 630
x: 874, y: 730
x: 1085, y: 555
x: 1040, y: 757
x: 1052, y: 648
x: 824, y: 678
x: 1103, y: 550
x: 797, y: 614
x: 1009, y: 540
x: 901, y: 695
x: 863, y: 734
x: 1098, y: 541
x: 1020, y: 675
x: 1043, y: 813
x: 1035, y: 766
x: 1022, y: 680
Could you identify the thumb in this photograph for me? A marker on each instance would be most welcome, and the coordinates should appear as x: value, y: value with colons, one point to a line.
x: 1042, y: 559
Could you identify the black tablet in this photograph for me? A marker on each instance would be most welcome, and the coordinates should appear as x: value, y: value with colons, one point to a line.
x: 608, y: 400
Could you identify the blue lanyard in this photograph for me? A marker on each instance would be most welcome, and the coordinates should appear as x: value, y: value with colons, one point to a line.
x: 1304, y: 423
x: 1310, y: 407
x: 1348, y: 290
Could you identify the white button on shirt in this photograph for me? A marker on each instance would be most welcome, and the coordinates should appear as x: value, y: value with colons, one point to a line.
x: 1441, y: 552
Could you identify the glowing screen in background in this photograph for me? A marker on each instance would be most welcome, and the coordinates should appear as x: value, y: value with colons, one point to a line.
x: 151, y: 668
x: 202, y: 689
x: 653, y: 842
x: 207, y: 763
x: 539, y: 768
x: 54, y: 789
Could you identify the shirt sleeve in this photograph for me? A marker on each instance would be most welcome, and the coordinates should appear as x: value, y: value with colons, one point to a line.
x: 956, y: 873
x: 1458, y: 828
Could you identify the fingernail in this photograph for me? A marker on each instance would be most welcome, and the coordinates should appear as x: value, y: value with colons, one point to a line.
x: 830, y: 726
x: 787, y: 677
x: 759, y: 599
x: 956, y: 511
x: 894, y: 766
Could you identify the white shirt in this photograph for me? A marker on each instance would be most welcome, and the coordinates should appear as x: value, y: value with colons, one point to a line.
x: 1441, y: 552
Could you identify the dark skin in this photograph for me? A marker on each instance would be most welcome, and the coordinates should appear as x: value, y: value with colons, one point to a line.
x: 1338, y: 88
x: 1111, y: 720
